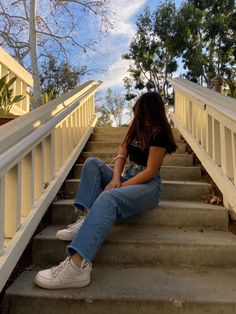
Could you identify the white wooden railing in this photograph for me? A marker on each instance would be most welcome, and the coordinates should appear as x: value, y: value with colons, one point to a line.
x: 207, y: 120
x: 37, y: 151
x: 23, y: 83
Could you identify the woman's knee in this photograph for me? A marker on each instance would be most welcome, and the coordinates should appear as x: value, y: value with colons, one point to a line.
x: 108, y: 195
x: 91, y: 162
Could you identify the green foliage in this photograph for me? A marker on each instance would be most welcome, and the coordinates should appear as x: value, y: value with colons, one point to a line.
x: 7, y: 100
x: 59, y: 77
x: 200, y: 33
x: 153, y: 51
x: 45, y: 97
x: 232, y: 88
x: 208, y: 44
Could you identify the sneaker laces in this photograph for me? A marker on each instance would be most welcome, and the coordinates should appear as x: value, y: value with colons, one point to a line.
x: 75, y: 224
x: 86, y: 264
x: 63, y: 265
x: 66, y: 265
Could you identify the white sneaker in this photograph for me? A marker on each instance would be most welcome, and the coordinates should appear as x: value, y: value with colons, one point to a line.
x: 68, y: 233
x: 64, y: 275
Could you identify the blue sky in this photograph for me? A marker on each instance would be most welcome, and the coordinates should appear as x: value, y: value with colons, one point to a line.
x: 106, y: 64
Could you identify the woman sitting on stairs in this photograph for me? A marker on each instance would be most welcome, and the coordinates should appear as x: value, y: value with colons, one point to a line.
x: 105, y: 195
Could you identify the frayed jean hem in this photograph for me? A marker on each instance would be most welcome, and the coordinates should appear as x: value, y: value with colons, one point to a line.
x: 81, y: 206
x: 71, y: 251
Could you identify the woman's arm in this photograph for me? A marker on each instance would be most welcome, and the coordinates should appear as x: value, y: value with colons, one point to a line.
x: 118, y: 168
x: 155, y: 158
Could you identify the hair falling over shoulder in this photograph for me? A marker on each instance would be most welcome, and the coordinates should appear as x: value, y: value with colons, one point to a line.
x: 149, y: 118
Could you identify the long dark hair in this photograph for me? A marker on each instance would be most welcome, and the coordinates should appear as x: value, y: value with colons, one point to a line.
x: 149, y: 119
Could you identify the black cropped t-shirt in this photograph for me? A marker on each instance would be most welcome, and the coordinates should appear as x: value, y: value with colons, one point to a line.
x: 139, y: 156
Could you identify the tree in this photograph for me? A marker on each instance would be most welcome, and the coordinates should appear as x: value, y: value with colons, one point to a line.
x: 37, y: 29
x: 153, y: 50
x: 207, y: 31
x: 112, y: 109
x: 201, y: 33
x: 61, y: 77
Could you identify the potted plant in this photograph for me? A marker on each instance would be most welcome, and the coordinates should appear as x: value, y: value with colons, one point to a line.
x: 7, y: 99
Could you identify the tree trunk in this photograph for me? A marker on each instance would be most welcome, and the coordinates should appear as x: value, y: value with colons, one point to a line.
x: 210, y: 73
x: 33, y: 55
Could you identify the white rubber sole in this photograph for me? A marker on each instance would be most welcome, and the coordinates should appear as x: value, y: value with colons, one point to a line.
x: 63, y: 237
x: 79, y: 284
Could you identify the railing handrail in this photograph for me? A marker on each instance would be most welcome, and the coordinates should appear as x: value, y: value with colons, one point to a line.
x: 207, y: 121
x: 27, y: 123
x: 8, y: 159
x: 15, y: 67
x: 207, y: 96
x: 34, y: 166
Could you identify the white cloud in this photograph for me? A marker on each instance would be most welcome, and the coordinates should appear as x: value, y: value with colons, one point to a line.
x: 115, y: 74
x: 124, y: 10
x: 121, y: 35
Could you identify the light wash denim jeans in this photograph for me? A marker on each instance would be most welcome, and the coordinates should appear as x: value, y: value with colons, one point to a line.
x: 105, y: 207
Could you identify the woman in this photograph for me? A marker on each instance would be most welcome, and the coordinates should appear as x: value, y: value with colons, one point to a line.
x: 107, y: 195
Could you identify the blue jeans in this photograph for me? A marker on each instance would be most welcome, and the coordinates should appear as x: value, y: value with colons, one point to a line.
x: 105, y: 207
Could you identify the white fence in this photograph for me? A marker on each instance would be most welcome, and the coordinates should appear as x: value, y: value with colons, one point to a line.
x: 23, y: 83
x: 207, y: 120
x: 37, y: 151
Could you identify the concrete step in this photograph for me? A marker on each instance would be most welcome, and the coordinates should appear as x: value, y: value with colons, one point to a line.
x: 122, y: 290
x: 180, y: 173
x: 123, y: 130
x: 110, y: 130
x: 104, y: 137
x: 118, y: 137
x: 178, y: 214
x: 94, y: 146
x: 147, y: 245
x: 172, y: 190
x: 170, y: 160
x: 112, y: 134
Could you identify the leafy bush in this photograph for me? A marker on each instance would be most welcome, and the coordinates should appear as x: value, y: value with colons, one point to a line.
x: 7, y: 99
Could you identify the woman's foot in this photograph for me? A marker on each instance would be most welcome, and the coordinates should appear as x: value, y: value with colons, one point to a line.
x: 68, y: 233
x: 65, y: 275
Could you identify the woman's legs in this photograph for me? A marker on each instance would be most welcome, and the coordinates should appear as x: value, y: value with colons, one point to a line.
x: 95, y: 176
x: 109, y: 206
x: 75, y: 271
x: 106, y: 209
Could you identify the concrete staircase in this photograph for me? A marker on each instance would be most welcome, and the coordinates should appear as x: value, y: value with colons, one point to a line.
x: 177, y: 258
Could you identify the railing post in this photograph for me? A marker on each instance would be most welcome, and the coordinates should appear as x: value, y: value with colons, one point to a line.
x: 70, y: 138
x: 53, y: 157
x: 234, y: 155
x: 64, y: 140
x: 26, y: 185
x: 47, y: 158
x: 2, y: 209
x: 38, y: 171
x: 209, y: 135
x: 73, y: 127
x: 203, y: 128
x: 58, y: 147
x: 216, y: 142
x: 229, y: 153
x: 12, y: 204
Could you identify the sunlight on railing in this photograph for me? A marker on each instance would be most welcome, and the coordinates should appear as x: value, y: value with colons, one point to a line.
x: 36, y: 154
x: 207, y: 120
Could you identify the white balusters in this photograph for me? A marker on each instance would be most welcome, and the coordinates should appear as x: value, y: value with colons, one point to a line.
x: 12, y: 201
x: 26, y: 184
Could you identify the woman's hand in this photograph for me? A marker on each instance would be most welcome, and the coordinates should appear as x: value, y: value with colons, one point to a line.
x: 115, y: 183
